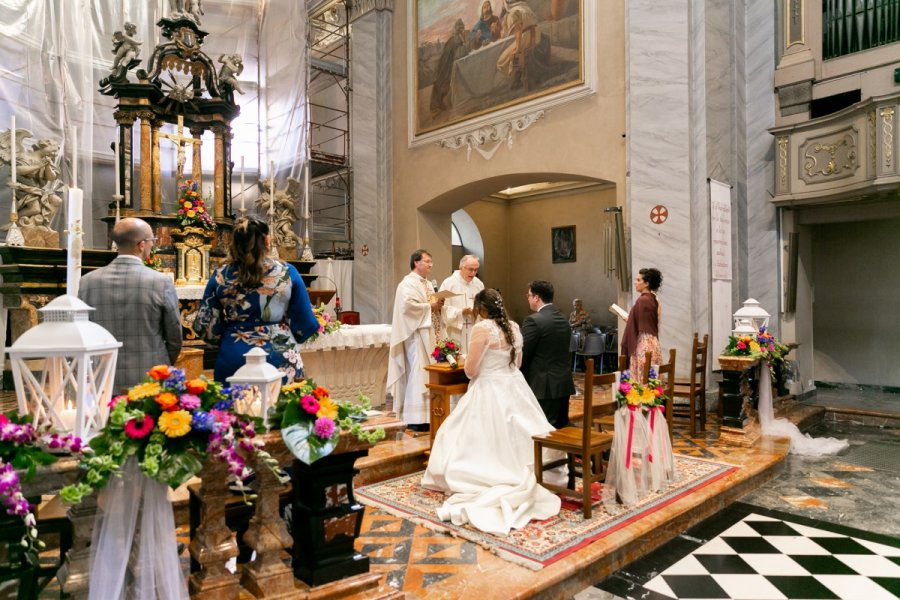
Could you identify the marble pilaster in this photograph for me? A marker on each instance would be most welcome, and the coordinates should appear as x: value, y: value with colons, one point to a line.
x: 370, y: 152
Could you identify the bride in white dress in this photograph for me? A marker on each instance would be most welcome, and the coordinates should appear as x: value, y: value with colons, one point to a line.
x: 483, y: 454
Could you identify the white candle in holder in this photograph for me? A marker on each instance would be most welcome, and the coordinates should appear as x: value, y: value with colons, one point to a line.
x: 74, y: 157
x: 242, y: 185
x: 67, y: 416
x: 12, y: 140
x: 272, y: 186
x: 73, y: 258
x: 118, y: 166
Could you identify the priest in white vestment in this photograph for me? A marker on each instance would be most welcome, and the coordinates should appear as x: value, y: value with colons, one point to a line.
x: 412, y: 340
x: 457, y: 314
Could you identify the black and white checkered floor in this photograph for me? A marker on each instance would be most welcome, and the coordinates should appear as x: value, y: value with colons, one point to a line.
x: 747, y: 552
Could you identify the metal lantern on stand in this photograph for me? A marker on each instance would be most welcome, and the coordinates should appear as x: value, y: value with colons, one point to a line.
x: 749, y: 318
x: 64, y: 368
x: 265, y: 382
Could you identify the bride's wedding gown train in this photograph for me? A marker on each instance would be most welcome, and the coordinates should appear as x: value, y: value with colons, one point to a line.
x: 483, y: 453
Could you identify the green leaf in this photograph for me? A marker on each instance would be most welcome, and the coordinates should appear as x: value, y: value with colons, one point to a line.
x: 176, y: 469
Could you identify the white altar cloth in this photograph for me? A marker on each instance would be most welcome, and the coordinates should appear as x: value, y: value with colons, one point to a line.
x: 351, y: 360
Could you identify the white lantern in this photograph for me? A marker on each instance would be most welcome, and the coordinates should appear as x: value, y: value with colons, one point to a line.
x: 264, y: 381
x: 64, y: 369
x: 750, y: 317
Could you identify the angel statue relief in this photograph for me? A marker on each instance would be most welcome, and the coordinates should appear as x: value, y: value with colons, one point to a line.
x: 284, y: 207
x: 126, y: 49
x: 37, y: 186
x: 232, y: 67
x: 192, y: 9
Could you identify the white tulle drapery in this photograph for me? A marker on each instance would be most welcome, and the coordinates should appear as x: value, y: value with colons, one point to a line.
x: 134, y: 554
x: 659, y: 452
x: 801, y: 443
x: 628, y: 472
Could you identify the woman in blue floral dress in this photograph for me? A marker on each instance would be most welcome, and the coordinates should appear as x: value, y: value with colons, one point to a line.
x: 255, y: 302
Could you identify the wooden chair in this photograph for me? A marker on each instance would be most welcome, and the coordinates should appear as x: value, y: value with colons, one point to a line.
x: 578, y: 441
x: 350, y: 317
x: 607, y: 422
x: 667, y: 376
x: 694, y: 387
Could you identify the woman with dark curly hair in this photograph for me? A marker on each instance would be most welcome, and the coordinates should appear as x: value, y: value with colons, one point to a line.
x: 642, y: 328
x: 254, y: 301
x: 483, y: 456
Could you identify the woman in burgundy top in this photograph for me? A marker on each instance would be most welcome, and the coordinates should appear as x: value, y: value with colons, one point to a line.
x: 642, y: 329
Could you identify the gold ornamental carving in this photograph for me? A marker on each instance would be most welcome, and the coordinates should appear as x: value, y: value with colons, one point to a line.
x: 831, y: 158
x: 192, y: 246
x: 873, y: 152
x: 783, y: 142
x: 887, y: 135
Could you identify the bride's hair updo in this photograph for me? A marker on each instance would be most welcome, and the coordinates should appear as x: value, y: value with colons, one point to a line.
x: 490, y: 301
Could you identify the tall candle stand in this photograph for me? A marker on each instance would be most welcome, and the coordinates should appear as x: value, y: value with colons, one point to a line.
x: 117, y: 198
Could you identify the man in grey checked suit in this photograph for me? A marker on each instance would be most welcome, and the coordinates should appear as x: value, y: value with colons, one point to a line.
x: 135, y: 303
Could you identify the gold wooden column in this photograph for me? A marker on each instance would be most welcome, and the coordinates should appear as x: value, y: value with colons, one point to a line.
x: 196, y: 168
x: 219, y: 172
x: 146, y: 118
x: 156, y: 179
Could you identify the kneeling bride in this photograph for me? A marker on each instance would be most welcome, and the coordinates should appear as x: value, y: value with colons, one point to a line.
x: 483, y: 453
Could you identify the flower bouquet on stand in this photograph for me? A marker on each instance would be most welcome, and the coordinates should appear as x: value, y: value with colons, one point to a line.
x: 446, y: 351
x: 628, y: 473
x: 762, y: 346
x: 22, y: 450
x: 327, y: 323
x: 659, y: 450
x: 311, y: 421
x: 158, y: 435
x: 192, y: 211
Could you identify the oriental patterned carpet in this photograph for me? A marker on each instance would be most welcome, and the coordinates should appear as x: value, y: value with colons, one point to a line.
x: 540, y: 543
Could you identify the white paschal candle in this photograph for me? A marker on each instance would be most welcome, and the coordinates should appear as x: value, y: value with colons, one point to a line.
x: 73, y: 258
x: 242, y: 185
x: 12, y: 143
x: 75, y: 157
x: 118, y: 166
x: 271, y: 186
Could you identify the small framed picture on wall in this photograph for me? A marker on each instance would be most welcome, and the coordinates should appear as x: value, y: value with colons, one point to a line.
x: 562, y: 243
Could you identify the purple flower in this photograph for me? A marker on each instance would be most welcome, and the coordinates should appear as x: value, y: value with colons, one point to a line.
x: 202, y: 421
x: 189, y: 401
x: 324, y: 427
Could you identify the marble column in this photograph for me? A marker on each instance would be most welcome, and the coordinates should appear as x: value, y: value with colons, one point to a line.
x: 370, y: 153
x: 219, y: 172
x: 156, y: 178
x: 146, y: 182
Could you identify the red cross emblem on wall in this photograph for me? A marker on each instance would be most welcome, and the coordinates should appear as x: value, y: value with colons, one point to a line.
x: 659, y: 214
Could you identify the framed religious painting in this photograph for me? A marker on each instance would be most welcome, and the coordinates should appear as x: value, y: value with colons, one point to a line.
x: 475, y: 61
x: 562, y: 243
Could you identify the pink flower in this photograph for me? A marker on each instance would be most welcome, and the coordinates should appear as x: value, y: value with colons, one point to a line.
x: 189, y: 401
x: 742, y: 345
x: 116, y: 399
x: 309, y: 404
x: 324, y: 427
x: 624, y: 387
x: 139, y: 429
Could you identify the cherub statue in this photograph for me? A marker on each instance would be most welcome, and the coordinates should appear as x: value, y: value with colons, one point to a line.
x: 37, y: 184
x: 285, y: 206
x: 126, y: 49
x: 192, y: 9
x: 232, y: 66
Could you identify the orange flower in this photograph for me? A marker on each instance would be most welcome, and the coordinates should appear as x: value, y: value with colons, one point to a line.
x: 160, y: 372
x: 196, y: 386
x: 320, y: 393
x: 167, y: 400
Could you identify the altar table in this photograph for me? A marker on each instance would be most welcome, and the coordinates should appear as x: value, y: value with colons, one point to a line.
x: 350, y: 360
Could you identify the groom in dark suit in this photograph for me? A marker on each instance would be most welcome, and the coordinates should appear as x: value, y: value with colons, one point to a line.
x: 545, y: 354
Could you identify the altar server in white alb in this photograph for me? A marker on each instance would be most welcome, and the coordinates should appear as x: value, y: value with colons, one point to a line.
x: 412, y: 340
x: 457, y: 313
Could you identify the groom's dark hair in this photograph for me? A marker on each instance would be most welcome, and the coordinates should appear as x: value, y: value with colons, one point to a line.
x: 542, y: 289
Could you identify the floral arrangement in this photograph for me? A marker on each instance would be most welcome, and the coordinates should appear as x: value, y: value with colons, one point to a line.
x: 761, y: 346
x: 153, y: 261
x: 192, y: 210
x: 170, y: 425
x: 311, y: 421
x: 631, y: 392
x: 446, y: 351
x: 24, y: 448
x: 327, y: 323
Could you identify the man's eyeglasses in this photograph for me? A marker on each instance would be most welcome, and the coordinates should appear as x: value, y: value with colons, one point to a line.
x: 153, y: 239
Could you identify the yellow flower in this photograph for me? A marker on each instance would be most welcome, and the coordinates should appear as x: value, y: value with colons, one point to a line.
x: 199, y: 209
x: 191, y: 214
x: 175, y: 423
x: 187, y: 205
x: 648, y: 397
x: 754, y: 346
x: 143, y: 390
x: 327, y: 408
x: 634, y: 396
